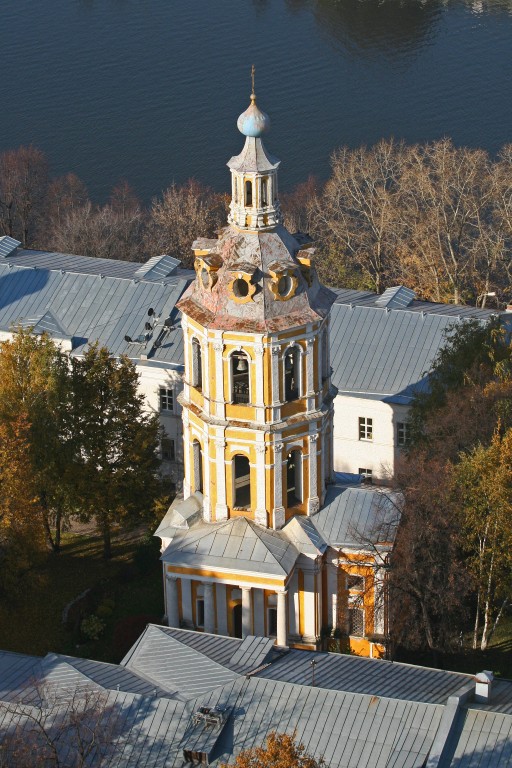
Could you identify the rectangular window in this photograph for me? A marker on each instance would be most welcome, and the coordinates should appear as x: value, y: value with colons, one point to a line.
x: 166, y: 399
x: 168, y: 449
x: 356, y: 622
x: 200, y: 612
x: 355, y: 583
x: 366, y: 474
x: 403, y: 434
x: 272, y: 622
x: 365, y: 428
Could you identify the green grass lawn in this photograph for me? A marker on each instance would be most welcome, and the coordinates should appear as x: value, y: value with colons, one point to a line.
x: 132, y: 582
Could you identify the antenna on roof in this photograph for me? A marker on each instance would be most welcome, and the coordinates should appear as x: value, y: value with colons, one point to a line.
x: 148, y: 326
x: 128, y: 339
x: 151, y: 312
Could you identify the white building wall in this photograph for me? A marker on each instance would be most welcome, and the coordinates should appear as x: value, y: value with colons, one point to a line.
x: 378, y: 454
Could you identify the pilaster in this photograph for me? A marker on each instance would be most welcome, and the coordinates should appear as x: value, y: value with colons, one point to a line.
x: 279, y: 510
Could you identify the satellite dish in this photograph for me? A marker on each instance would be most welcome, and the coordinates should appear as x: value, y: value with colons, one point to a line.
x: 128, y: 339
x: 151, y: 312
x: 148, y: 327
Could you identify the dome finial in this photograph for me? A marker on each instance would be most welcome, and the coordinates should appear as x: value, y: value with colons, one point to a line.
x: 253, y: 122
x: 253, y: 92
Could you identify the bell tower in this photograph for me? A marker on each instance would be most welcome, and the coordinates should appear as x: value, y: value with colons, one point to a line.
x: 257, y: 399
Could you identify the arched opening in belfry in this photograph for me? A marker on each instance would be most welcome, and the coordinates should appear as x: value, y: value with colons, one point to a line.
x: 241, y: 482
x: 197, y: 367
x: 248, y: 193
x: 264, y: 192
x: 239, y: 377
x: 291, y: 373
x: 198, y: 466
x: 294, y: 477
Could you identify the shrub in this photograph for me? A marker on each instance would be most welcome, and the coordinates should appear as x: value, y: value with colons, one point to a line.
x: 92, y: 627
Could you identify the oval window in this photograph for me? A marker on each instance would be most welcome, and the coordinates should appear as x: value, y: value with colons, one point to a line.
x: 241, y: 288
x: 284, y: 285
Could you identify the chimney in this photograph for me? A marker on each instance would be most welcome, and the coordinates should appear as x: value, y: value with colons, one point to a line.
x: 483, y: 687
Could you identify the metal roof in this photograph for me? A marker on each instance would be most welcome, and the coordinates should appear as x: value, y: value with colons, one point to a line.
x: 252, y: 653
x: 386, y: 351
x: 395, y: 298
x: 219, y: 648
x: 375, y: 677
x: 176, y: 667
x: 237, y: 544
x: 158, y: 268
x: 352, y: 515
x: 480, y: 739
x: 8, y: 245
x: 93, y: 300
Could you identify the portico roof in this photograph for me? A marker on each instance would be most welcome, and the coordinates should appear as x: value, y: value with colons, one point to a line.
x: 236, y: 544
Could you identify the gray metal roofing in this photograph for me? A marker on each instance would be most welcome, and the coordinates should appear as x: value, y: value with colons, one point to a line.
x: 113, y: 676
x: 480, y: 739
x: 176, y: 667
x: 347, y: 729
x: 216, y: 647
x: 237, y: 543
x: 15, y: 670
x: 95, y: 300
x: 252, y: 653
x: 8, y: 245
x: 375, y: 677
x: 385, y: 351
x: 352, y: 515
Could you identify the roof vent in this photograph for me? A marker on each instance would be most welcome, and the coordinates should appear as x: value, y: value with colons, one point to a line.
x: 483, y: 687
x: 8, y: 246
x: 202, y: 735
x: 398, y: 297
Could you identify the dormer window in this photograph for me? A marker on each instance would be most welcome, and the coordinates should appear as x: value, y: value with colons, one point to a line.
x: 284, y: 281
x: 241, y: 287
x: 248, y: 194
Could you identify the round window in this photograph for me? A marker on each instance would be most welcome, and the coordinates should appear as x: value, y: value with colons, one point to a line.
x: 284, y: 285
x: 241, y: 288
x: 205, y: 278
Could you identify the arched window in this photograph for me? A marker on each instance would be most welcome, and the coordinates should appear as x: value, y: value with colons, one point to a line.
x: 197, y: 366
x: 241, y: 482
x: 294, y: 477
x: 239, y: 377
x: 198, y: 466
x: 248, y: 193
x: 325, y: 356
x: 291, y: 373
x: 264, y: 192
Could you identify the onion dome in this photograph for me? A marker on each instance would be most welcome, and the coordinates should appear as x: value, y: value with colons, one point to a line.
x: 253, y: 122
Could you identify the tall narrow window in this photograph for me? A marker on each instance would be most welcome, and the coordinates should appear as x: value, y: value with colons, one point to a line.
x: 264, y: 192
x: 365, y: 428
x: 248, y: 193
x: 197, y: 368
x: 294, y: 477
x: 241, y: 482
x: 403, y: 434
x: 166, y: 399
x: 291, y: 373
x: 239, y: 377
x: 198, y: 466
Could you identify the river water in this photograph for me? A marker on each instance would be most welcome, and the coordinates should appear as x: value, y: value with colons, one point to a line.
x: 149, y: 90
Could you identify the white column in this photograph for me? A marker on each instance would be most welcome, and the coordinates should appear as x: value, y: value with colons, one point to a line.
x: 279, y: 511
x: 221, y: 510
x: 379, y: 597
x: 222, y: 611
x: 186, y: 602
x: 259, y: 349
x: 276, y: 401
x: 209, y: 608
x: 246, y: 612
x: 173, y: 612
x: 332, y: 595
x: 260, y: 514
x: 313, y: 500
x: 218, y: 348
x: 309, y: 606
x: 281, y: 618
x: 259, y: 612
x: 293, y: 604
x: 310, y: 374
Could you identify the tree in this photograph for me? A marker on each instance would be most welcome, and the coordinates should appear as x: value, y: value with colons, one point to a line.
x: 482, y: 485
x: 183, y: 214
x: 281, y: 751
x: 116, y: 456
x: 23, y: 183
x: 21, y: 517
x: 35, y: 381
x: 60, y: 727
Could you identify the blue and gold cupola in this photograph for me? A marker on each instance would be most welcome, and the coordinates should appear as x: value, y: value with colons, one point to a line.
x: 254, y: 202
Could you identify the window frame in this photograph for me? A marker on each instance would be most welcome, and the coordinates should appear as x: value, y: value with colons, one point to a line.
x: 166, y: 394
x: 365, y: 432
x: 403, y: 434
x: 171, y: 442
